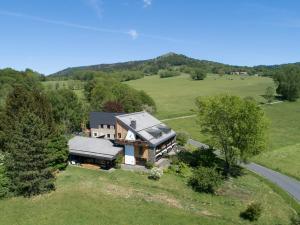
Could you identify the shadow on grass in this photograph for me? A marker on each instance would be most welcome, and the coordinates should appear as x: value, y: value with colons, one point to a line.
x: 205, y: 157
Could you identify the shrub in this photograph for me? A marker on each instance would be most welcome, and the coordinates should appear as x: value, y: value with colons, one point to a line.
x: 295, y: 220
x: 181, y: 169
x: 149, y: 165
x: 198, y: 74
x: 168, y: 73
x: 119, y: 161
x: 182, y: 138
x: 252, y: 213
x: 205, y: 180
x: 204, y: 157
x: 155, y: 173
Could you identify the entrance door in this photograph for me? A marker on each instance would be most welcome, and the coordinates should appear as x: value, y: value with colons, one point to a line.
x: 129, y: 155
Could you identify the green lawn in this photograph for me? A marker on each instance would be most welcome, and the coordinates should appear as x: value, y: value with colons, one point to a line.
x: 285, y: 160
x: 175, y: 96
x: 93, y: 197
x: 285, y: 124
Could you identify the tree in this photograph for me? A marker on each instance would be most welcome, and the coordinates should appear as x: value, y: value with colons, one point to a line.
x: 288, y: 79
x: 67, y: 109
x: 4, y: 182
x: 182, y: 138
x: 27, y: 160
x: 100, y: 94
x: 57, y: 149
x: 113, y: 106
x: 198, y: 74
x: 168, y: 73
x: 236, y: 126
x: 269, y: 94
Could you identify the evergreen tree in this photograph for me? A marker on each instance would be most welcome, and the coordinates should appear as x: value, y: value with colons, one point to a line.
x: 3, y: 178
x: 27, y: 160
x: 58, y: 153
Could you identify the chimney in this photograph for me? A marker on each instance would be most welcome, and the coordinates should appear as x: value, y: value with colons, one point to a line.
x: 133, y: 124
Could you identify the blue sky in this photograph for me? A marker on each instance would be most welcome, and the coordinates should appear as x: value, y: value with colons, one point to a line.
x: 51, y: 35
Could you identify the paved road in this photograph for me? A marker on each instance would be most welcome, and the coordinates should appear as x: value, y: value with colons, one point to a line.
x: 288, y: 184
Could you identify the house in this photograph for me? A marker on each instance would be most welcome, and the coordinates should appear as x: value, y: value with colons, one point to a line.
x: 93, y: 151
x: 102, y: 124
x: 145, y: 138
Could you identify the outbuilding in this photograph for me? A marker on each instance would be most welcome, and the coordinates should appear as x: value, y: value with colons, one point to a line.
x: 94, y: 151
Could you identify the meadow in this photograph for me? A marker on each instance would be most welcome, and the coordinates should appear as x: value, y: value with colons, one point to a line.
x: 285, y: 160
x: 175, y: 97
x: 86, y: 196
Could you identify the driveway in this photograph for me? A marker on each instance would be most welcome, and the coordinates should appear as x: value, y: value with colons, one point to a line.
x: 290, y: 185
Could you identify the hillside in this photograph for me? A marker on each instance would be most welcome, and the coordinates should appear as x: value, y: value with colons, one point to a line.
x: 86, y: 196
x: 171, y: 61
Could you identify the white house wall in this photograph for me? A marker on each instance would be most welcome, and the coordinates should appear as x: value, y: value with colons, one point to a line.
x: 129, y: 155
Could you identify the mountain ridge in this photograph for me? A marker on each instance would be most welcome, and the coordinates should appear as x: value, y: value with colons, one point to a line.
x: 167, y: 61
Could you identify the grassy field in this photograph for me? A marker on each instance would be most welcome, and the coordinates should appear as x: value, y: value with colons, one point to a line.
x: 285, y: 160
x: 284, y: 127
x: 93, y: 197
x: 175, y: 96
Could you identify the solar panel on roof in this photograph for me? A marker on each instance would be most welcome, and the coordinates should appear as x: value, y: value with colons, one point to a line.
x: 164, y: 128
x: 155, y: 132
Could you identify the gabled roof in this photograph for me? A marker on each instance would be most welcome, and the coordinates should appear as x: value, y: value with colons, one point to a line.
x: 147, y: 127
x: 93, y: 147
x: 98, y: 118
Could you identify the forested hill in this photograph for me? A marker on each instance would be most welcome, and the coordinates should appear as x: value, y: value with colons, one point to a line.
x: 171, y: 61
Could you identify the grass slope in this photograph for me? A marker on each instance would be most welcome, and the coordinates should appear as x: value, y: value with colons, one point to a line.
x: 285, y: 160
x: 93, y: 197
x: 285, y: 124
x: 175, y: 96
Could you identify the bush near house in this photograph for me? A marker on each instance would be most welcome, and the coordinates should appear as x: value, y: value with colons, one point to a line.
x: 149, y: 165
x: 205, y: 179
x: 155, y: 173
x: 119, y: 161
x: 182, y: 138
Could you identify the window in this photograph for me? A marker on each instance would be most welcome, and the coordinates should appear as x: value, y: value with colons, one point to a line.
x: 108, y: 126
x: 95, y: 134
x: 114, y: 136
x: 119, y: 135
x: 101, y: 125
x: 108, y: 135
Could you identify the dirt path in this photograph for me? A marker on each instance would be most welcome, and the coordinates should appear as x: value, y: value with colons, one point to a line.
x: 178, y: 118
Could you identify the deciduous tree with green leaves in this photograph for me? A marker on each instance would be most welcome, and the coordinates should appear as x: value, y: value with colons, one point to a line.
x: 269, y: 94
x: 236, y: 126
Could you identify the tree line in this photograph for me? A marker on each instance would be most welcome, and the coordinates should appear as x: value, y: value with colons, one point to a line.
x: 36, y: 122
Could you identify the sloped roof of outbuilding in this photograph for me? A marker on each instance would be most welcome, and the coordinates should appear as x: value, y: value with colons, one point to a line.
x: 93, y: 147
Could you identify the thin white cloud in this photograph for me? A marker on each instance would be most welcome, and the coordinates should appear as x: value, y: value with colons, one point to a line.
x: 96, y: 5
x: 147, y: 3
x: 133, y: 34
x: 64, y: 23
